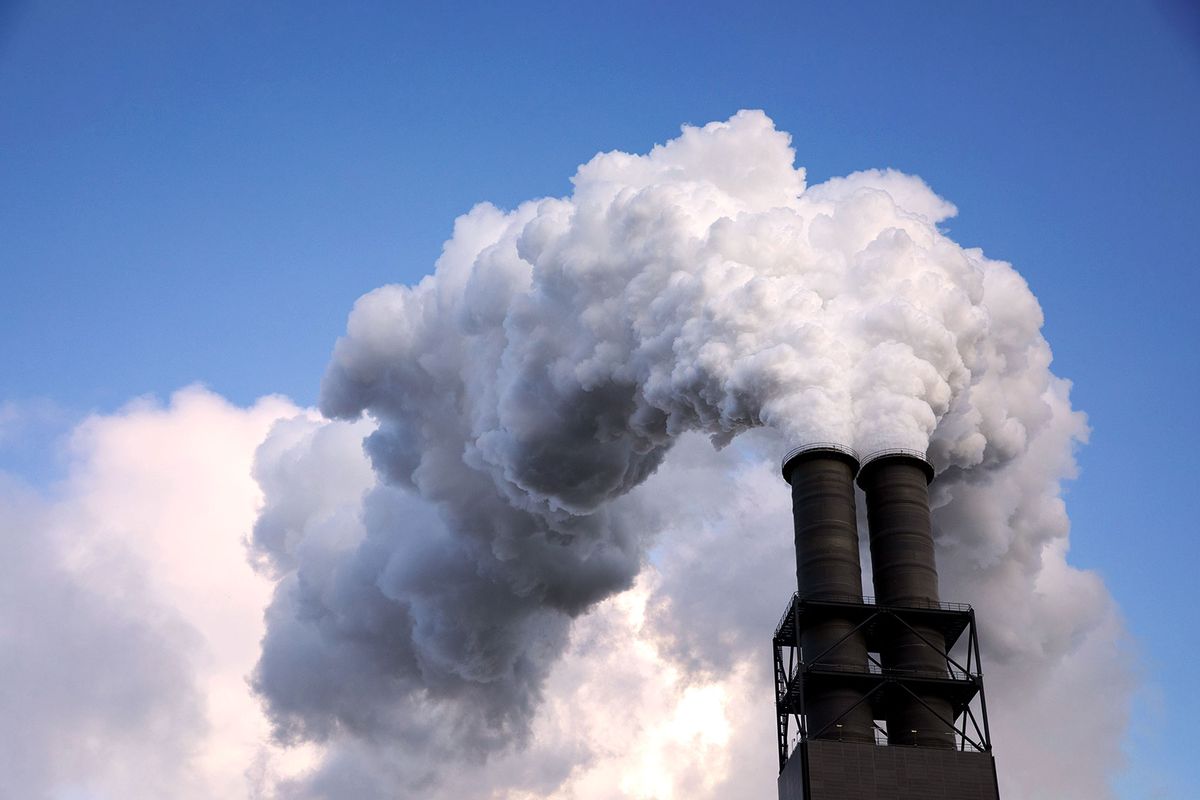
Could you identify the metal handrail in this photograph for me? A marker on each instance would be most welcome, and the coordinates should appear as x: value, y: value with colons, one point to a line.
x: 896, y: 451
x: 938, y: 605
x: 804, y: 448
x: 916, y: 455
x: 786, y: 612
x: 951, y: 673
x: 927, y: 605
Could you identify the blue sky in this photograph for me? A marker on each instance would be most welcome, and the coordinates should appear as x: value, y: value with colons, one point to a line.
x: 198, y: 192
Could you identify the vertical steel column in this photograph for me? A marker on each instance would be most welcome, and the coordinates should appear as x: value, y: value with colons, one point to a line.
x: 828, y: 568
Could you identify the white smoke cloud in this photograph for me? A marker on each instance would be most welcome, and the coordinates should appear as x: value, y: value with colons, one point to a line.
x: 539, y: 578
x: 132, y: 618
x: 530, y: 404
x: 130, y: 615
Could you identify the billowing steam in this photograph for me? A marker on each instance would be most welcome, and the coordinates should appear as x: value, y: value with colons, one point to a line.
x: 518, y: 398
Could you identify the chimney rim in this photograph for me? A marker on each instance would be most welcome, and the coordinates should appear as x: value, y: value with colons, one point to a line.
x: 899, y: 454
x: 840, y: 451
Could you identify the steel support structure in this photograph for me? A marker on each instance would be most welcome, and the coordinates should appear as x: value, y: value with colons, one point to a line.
x: 960, y: 682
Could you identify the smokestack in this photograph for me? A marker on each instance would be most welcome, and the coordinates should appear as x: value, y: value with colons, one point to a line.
x: 828, y: 568
x: 843, y: 661
x: 896, y: 483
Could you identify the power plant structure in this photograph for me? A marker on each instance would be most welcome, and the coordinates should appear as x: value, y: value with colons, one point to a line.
x: 885, y: 692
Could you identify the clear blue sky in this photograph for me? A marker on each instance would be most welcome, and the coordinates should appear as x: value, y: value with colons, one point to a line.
x: 199, y: 191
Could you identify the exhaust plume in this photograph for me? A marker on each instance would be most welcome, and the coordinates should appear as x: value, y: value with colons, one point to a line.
x: 517, y: 397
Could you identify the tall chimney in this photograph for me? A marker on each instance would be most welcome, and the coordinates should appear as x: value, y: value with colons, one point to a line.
x: 896, y: 483
x: 843, y: 662
x: 827, y: 568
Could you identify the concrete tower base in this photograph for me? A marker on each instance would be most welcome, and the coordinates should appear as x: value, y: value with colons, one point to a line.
x: 824, y: 769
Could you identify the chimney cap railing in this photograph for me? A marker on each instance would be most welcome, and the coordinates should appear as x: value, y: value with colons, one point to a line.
x: 835, y: 447
x: 907, y: 452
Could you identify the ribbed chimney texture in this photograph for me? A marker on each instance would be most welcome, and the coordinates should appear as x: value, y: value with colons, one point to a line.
x: 827, y: 568
x: 896, y: 484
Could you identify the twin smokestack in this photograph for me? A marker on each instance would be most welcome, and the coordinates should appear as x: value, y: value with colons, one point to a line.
x: 883, y: 710
x: 895, y: 483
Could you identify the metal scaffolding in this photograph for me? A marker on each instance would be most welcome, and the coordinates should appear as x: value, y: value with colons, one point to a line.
x: 940, y: 626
